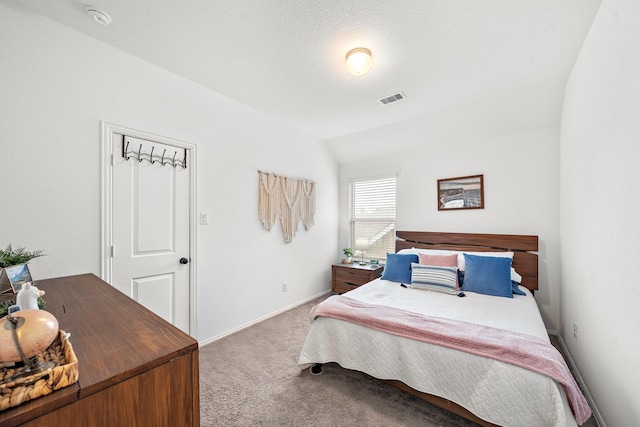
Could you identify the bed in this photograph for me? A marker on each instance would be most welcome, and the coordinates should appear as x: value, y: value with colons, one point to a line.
x: 485, y: 357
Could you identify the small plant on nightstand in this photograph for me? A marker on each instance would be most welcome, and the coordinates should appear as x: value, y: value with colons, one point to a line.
x: 348, y: 253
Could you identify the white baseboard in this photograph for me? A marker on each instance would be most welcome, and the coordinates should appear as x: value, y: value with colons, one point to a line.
x: 579, y: 380
x: 262, y: 319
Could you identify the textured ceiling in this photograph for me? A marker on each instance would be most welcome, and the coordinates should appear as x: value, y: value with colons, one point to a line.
x: 286, y: 57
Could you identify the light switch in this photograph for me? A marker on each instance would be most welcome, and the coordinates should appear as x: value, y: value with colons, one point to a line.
x: 204, y: 218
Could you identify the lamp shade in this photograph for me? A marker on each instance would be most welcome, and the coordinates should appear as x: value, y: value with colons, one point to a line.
x: 362, y: 244
x: 358, y: 61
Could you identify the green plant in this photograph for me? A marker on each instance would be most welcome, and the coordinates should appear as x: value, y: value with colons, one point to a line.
x: 4, y: 306
x: 348, y: 252
x: 10, y: 256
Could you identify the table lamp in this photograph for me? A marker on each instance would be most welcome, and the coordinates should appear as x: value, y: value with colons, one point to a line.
x: 362, y: 245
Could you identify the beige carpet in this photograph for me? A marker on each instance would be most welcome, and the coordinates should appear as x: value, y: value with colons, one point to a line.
x: 251, y: 378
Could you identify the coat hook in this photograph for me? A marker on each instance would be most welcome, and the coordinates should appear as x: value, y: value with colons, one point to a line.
x: 152, y: 157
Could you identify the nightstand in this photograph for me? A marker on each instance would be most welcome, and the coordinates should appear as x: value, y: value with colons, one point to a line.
x: 345, y: 277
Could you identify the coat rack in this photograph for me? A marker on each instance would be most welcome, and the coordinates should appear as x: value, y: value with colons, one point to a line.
x: 145, y: 151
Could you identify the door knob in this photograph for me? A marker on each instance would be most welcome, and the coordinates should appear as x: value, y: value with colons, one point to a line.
x: 184, y: 261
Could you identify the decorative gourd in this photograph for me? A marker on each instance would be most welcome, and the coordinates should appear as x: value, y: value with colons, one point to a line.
x: 35, y: 329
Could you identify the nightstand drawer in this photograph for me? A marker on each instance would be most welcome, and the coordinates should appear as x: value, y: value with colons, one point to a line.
x: 352, y: 276
x: 345, y: 277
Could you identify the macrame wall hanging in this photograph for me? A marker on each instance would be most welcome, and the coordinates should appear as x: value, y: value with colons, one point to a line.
x: 292, y: 200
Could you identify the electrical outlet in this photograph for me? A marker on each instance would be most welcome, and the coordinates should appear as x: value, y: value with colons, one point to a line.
x: 575, y: 331
x: 284, y: 286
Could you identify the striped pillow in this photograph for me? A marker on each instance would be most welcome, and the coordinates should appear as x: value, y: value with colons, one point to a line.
x: 434, y: 278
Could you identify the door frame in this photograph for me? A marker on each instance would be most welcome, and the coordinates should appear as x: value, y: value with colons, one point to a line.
x: 106, y: 235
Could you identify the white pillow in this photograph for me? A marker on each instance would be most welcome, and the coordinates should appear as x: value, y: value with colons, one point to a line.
x: 514, y: 275
x: 427, y: 251
x: 493, y: 254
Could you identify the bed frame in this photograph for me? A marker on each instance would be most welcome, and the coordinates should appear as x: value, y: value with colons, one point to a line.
x: 525, y: 261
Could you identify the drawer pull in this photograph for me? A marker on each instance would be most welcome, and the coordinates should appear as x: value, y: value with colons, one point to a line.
x: 352, y: 284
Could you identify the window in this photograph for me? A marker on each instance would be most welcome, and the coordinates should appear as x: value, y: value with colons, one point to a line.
x: 372, y: 216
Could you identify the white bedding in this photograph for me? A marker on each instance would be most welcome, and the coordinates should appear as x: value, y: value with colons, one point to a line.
x: 497, y: 392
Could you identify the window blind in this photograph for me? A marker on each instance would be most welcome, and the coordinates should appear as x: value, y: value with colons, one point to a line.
x: 372, y: 216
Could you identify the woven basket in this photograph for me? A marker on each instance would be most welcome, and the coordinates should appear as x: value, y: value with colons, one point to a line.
x: 64, y: 374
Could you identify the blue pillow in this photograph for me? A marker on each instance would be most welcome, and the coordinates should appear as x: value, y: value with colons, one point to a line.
x: 398, y: 267
x: 488, y: 275
x: 515, y: 289
x: 514, y: 285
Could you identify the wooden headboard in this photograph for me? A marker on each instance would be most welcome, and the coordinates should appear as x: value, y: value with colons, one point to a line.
x: 525, y: 261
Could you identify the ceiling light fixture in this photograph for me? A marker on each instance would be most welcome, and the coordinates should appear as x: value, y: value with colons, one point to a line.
x: 358, y: 61
x: 99, y: 16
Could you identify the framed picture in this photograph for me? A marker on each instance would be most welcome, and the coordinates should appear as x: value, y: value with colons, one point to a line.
x: 14, y: 277
x: 465, y: 192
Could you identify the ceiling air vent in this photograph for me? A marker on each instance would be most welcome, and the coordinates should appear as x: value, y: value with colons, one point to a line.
x: 393, y: 98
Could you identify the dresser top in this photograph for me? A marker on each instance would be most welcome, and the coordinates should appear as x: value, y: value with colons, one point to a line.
x: 113, y: 337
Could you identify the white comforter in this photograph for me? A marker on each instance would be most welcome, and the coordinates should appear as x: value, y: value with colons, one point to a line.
x: 497, y: 392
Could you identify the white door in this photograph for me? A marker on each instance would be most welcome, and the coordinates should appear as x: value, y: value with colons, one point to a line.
x: 150, y: 230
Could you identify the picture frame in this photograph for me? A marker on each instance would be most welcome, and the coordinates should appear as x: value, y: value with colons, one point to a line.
x: 14, y: 277
x: 464, y: 192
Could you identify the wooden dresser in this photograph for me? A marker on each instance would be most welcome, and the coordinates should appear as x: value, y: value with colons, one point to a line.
x: 345, y: 277
x: 135, y: 369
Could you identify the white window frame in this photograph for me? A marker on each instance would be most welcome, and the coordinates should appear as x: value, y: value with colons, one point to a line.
x: 381, y: 232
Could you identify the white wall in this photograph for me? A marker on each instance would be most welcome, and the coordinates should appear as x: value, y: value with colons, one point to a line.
x: 56, y: 85
x: 521, y: 194
x: 600, y: 211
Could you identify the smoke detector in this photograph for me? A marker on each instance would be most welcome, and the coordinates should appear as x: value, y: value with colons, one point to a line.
x: 99, y: 16
x: 392, y: 98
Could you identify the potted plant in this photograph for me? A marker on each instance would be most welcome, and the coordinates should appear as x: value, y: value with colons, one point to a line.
x: 10, y: 256
x: 348, y: 253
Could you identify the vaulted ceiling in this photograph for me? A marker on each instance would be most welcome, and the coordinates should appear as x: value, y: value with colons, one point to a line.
x: 286, y: 57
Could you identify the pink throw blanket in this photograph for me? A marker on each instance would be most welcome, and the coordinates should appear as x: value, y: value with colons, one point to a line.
x: 510, y: 347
